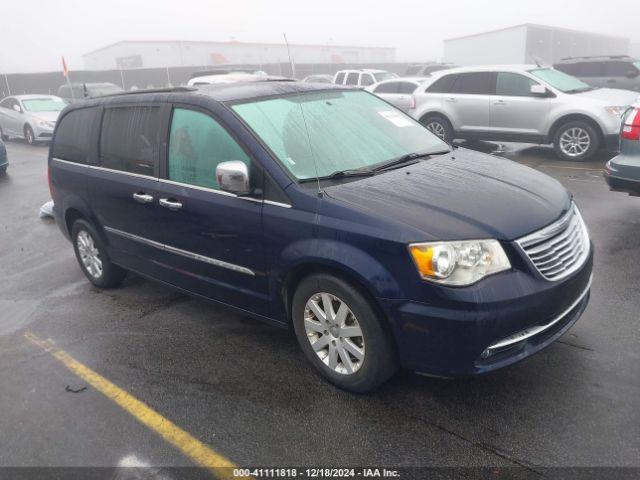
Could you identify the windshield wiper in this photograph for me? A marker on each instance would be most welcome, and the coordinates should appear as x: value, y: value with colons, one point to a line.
x: 580, y: 90
x: 409, y: 158
x: 359, y: 172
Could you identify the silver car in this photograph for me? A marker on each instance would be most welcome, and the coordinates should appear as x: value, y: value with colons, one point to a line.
x: 32, y: 117
x: 523, y: 103
x: 399, y: 91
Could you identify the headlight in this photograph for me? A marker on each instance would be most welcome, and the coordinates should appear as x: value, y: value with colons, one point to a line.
x: 45, y: 124
x: 617, y: 111
x: 458, y: 263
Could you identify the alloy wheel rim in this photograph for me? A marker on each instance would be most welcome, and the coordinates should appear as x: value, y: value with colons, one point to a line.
x: 89, y: 254
x: 575, y: 141
x: 334, y: 333
x: 29, y: 136
x: 437, y: 129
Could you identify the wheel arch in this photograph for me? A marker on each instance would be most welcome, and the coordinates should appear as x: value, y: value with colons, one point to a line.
x: 575, y: 117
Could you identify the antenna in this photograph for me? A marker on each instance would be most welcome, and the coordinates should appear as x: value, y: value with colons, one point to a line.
x: 293, y: 68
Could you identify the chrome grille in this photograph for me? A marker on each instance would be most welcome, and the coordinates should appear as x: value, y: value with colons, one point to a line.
x: 559, y: 249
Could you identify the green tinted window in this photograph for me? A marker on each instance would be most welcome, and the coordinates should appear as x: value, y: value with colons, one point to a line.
x: 196, y: 146
x: 560, y: 80
x: 513, y: 85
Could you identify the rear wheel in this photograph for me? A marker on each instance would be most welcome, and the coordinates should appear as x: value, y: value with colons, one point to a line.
x: 576, y: 141
x: 92, y: 257
x: 439, y: 126
x: 28, y: 135
x: 2, y: 135
x: 342, y: 334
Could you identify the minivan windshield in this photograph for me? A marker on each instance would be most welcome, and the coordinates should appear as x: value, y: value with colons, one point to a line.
x: 319, y: 133
x: 560, y: 80
x: 44, y: 105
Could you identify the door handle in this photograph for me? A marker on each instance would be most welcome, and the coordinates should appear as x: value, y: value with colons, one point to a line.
x: 142, y: 197
x: 611, y: 80
x: 451, y: 99
x: 170, y: 204
x: 499, y: 102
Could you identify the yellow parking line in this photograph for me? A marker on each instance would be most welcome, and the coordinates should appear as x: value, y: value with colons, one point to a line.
x: 197, y: 451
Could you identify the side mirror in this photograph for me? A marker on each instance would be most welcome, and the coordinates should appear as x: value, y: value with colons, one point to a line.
x: 17, y: 108
x: 539, y: 90
x: 233, y: 177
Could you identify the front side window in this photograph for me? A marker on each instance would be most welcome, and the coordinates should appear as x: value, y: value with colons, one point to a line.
x: 197, y: 144
x: 6, y: 103
x: 130, y: 139
x: 618, y: 69
x: 352, y: 78
x: 560, y: 80
x: 318, y: 133
x: 73, y: 141
x: 514, y: 85
x: 44, y: 105
x: 380, y: 76
x: 366, y: 79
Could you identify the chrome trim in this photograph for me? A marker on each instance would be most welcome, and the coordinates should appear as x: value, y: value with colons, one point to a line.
x: 130, y: 174
x: 566, y: 240
x: 530, y: 332
x: 179, y: 184
x: 184, y: 253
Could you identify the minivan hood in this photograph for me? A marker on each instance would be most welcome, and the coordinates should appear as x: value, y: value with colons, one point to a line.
x: 610, y: 96
x: 462, y: 195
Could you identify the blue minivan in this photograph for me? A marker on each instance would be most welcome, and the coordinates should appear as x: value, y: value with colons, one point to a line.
x: 324, y: 209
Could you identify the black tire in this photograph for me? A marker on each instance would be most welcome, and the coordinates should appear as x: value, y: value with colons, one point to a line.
x: 439, y: 126
x: 29, y: 135
x: 3, y: 171
x: 579, y: 130
x: 3, y: 137
x: 111, y: 275
x: 380, y: 360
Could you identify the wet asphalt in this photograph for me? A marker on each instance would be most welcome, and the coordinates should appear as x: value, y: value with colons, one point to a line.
x: 245, y: 389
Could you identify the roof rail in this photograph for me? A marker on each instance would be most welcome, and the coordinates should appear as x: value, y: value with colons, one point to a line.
x: 150, y: 90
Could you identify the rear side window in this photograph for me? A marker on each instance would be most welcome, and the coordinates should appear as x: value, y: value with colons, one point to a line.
x: 476, y: 83
x: 340, y: 78
x: 406, y: 87
x: 513, y: 85
x: 389, y: 87
x: 197, y: 144
x: 352, y: 78
x: 130, y: 139
x: 442, y: 85
x: 73, y: 140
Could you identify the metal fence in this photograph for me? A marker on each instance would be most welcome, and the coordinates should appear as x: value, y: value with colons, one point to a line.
x: 49, y: 82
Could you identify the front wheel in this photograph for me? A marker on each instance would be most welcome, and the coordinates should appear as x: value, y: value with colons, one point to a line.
x: 342, y: 334
x: 3, y: 137
x: 576, y: 141
x: 29, y: 135
x: 92, y: 257
x: 439, y: 126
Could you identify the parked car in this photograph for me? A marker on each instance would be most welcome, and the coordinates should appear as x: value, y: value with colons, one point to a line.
x: 324, y: 209
x: 318, y: 79
x: 362, y: 77
x: 622, y: 173
x: 426, y: 69
x: 4, y: 159
x: 31, y: 117
x: 79, y: 91
x: 617, y: 71
x: 523, y: 103
x: 399, y: 91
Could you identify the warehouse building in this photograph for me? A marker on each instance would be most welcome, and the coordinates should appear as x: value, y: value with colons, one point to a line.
x: 529, y: 43
x: 160, y: 54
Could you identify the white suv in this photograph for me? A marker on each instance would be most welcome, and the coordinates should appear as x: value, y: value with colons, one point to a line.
x: 362, y: 77
x: 522, y: 103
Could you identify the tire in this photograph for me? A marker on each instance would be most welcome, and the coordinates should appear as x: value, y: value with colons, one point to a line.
x: 370, y: 357
x: 29, y: 135
x: 576, y: 141
x: 3, y: 171
x: 3, y: 137
x: 439, y: 126
x: 92, y: 257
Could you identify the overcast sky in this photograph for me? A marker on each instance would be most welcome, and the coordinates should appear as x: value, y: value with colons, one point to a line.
x: 35, y: 33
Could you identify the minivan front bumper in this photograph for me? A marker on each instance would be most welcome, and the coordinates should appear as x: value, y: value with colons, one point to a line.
x: 491, y: 332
